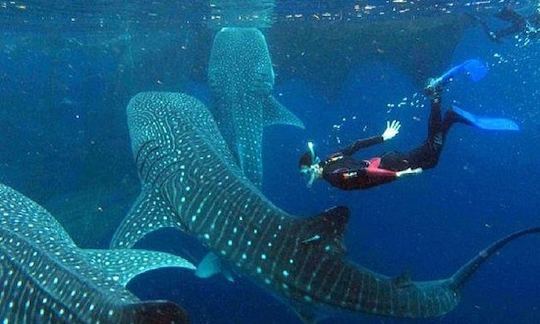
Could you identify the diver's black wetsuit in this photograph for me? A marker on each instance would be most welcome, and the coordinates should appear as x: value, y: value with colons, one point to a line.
x: 518, y: 24
x: 345, y: 172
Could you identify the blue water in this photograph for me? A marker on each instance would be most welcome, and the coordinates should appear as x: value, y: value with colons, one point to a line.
x: 64, y: 136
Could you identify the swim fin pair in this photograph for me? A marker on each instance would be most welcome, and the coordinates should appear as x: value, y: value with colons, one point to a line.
x: 487, y: 123
x: 474, y: 69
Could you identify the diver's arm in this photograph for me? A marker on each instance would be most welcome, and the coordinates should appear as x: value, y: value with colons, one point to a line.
x: 392, y: 129
x: 408, y: 171
x: 361, y: 144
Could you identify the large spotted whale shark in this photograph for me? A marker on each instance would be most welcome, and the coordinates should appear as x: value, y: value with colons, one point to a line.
x: 48, y: 279
x: 241, y: 80
x: 190, y: 181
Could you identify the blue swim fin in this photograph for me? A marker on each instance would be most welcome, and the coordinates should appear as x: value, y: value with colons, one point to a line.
x: 487, y: 123
x: 474, y: 69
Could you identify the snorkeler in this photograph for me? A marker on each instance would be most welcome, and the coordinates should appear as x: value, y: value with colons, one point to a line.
x: 343, y: 171
x: 519, y: 24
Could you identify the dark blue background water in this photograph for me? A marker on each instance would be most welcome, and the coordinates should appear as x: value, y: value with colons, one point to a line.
x: 63, y: 132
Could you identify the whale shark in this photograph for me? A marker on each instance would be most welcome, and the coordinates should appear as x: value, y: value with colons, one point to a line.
x: 48, y: 279
x: 241, y: 80
x: 190, y: 181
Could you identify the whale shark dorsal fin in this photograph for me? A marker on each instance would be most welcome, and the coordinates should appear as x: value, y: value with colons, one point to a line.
x: 210, y: 266
x: 156, y: 213
x: 122, y: 265
x: 275, y: 113
x: 326, y: 229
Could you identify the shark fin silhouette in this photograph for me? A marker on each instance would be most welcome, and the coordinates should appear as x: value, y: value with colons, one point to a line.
x: 275, y: 113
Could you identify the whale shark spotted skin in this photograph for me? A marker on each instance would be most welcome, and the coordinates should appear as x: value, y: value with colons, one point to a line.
x: 46, y: 278
x: 190, y: 181
x: 241, y: 79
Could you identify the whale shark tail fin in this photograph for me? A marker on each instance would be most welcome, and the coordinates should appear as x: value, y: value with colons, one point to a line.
x: 156, y: 312
x: 465, y: 272
x: 275, y: 113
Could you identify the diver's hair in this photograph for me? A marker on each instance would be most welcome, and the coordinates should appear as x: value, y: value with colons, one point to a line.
x: 305, y: 160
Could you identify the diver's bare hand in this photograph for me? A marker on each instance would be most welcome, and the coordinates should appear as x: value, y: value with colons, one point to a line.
x: 392, y: 129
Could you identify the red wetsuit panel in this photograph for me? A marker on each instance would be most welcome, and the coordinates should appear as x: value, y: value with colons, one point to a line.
x: 374, y: 171
x: 353, y: 175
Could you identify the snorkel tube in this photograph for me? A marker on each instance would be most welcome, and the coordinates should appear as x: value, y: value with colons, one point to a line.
x: 311, y: 170
x: 311, y: 150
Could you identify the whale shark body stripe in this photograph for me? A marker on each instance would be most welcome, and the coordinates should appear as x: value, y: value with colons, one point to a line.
x: 46, y: 278
x: 301, y: 259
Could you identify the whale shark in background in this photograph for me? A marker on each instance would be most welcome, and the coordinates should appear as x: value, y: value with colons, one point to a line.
x: 241, y: 79
x: 48, y: 279
x: 190, y: 181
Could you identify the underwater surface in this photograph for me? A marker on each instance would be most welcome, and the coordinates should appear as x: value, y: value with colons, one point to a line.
x: 342, y: 69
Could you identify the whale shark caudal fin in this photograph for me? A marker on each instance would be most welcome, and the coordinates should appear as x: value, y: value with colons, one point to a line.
x: 275, y: 113
x: 156, y: 312
x: 465, y: 272
x: 124, y: 265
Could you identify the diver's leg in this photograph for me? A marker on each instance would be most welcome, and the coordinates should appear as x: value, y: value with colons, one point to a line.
x: 395, y: 161
x: 435, y: 117
x: 426, y: 156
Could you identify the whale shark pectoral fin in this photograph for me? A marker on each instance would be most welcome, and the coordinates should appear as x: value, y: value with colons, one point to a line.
x: 210, y: 266
x: 227, y: 273
x: 276, y: 113
x: 156, y: 311
x: 122, y: 265
x: 326, y: 229
x: 151, y: 207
